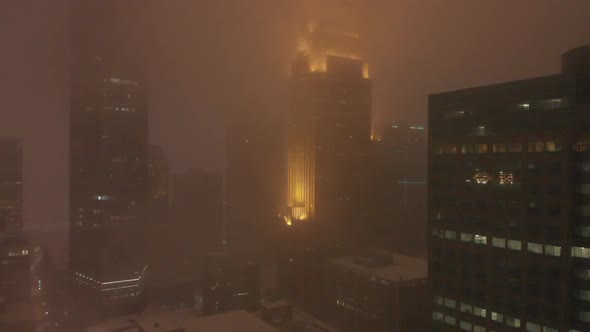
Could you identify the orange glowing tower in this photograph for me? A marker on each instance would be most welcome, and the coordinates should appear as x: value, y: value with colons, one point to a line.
x: 329, y: 120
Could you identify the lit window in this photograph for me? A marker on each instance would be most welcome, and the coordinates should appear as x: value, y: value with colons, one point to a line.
x: 466, y: 148
x: 477, y: 328
x: 480, y: 239
x: 552, y: 250
x: 466, y: 237
x: 505, y: 177
x: 477, y: 311
x: 580, y: 252
x: 524, y: 106
x: 467, y: 326
x: 552, y: 146
x: 513, y: 322
x: 536, y: 146
x: 514, y: 245
x: 499, y: 148
x: 514, y: 147
x: 583, y: 231
x: 550, y: 329
x: 498, y: 242
x: 464, y: 307
x: 479, y: 130
x: 451, y: 149
x: 438, y: 300
x: 582, y: 146
x: 450, y: 303
x: 437, y: 316
x: 535, y: 248
x: 481, y: 148
x: 481, y: 177
x: 450, y: 235
x: 496, y: 317
x: 551, y: 104
x: 583, y: 295
x: 532, y: 327
x: 454, y: 114
x: 450, y: 320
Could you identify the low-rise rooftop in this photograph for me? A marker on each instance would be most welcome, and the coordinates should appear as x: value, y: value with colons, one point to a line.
x: 401, y: 268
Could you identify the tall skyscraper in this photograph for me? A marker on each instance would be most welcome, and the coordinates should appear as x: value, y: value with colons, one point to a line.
x: 10, y: 185
x: 108, y: 149
x: 329, y: 121
x: 509, y: 216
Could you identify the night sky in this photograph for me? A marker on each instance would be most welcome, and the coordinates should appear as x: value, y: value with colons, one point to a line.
x: 210, y: 56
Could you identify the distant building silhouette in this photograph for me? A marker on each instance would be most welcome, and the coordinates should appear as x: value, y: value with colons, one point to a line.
x: 229, y: 284
x: 159, y: 185
x: 396, y: 197
x: 196, y: 216
x: 108, y: 150
x: 24, y: 284
x: 254, y: 177
x: 11, y: 185
x: 508, y: 203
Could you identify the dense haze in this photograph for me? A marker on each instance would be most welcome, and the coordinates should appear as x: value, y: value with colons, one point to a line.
x: 211, y: 55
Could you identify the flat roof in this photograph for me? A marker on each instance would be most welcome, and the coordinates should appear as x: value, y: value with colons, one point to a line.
x: 121, y: 323
x: 225, y: 322
x: 403, y: 268
x: 186, y: 319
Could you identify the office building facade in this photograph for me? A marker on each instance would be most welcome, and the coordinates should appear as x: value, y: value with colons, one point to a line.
x: 508, y: 204
x: 108, y: 150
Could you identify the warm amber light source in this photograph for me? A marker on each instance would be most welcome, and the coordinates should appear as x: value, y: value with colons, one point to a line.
x: 366, y: 70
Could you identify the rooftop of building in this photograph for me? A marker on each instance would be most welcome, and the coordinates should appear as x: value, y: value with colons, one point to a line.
x: 574, y: 62
x: 185, y: 319
x: 400, y: 268
x: 305, y: 322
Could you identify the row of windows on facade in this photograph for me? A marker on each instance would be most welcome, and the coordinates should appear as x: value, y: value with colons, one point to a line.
x: 355, y: 309
x: 554, y: 166
x: 548, y: 104
x: 497, y: 242
x: 534, y: 209
x: 549, y: 146
x: 119, y: 109
x: 483, y: 313
x: 24, y: 252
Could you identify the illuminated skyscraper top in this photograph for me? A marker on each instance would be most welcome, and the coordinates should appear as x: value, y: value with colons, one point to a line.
x: 331, y: 30
x: 329, y: 121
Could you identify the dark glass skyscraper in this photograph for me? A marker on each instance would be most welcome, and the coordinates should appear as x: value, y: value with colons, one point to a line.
x: 509, y: 212
x: 108, y: 148
x: 10, y: 185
